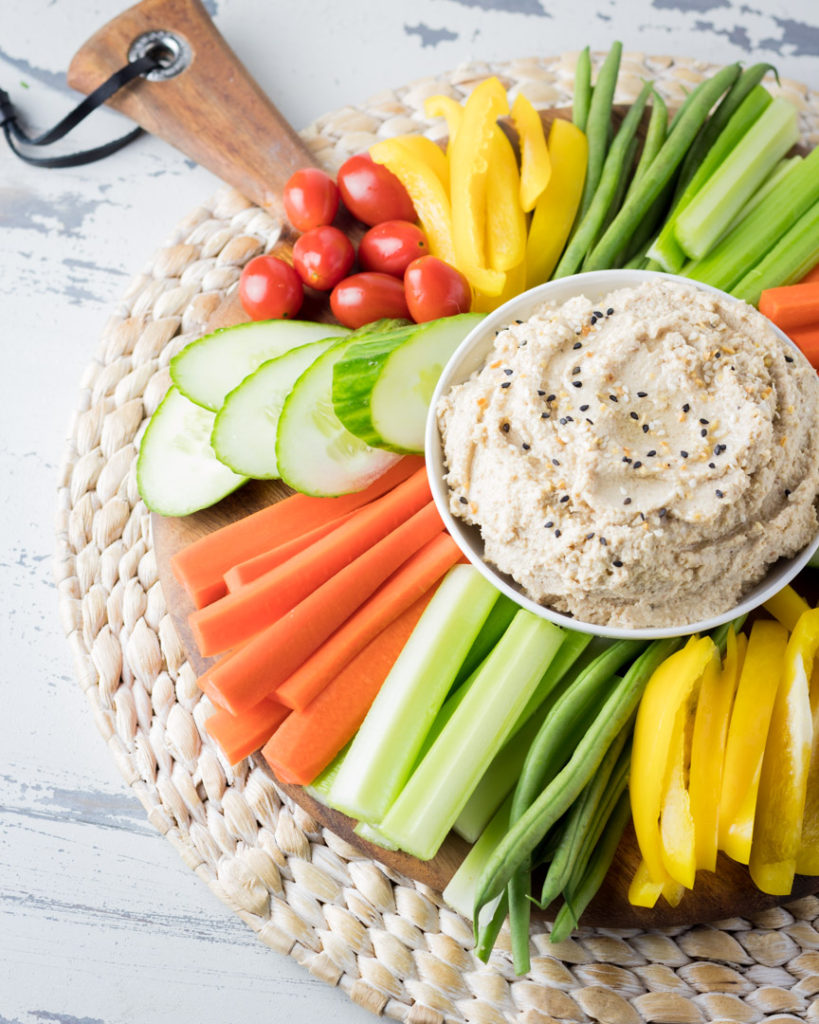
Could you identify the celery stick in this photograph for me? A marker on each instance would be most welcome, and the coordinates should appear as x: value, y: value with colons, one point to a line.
x: 429, y: 803
x: 387, y: 744
x: 321, y: 785
x: 665, y: 249
x: 372, y: 834
x: 757, y: 233
x: 492, y: 630
x: 791, y: 258
x: 707, y: 216
x: 774, y: 179
x: 460, y: 893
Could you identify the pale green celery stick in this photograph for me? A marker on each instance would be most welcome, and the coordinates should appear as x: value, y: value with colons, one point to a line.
x: 791, y: 258
x: 448, y: 709
x: 774, y: 179
x: 665, y: 249
x: 372, y: 834
x: 703, y: 222
x: 435, y: 794
x: 502, y: 774
x: 493, y: 629
x: 386, y: 746
x: 757, y: 233
x: 321, y: 785
x: 460, y: 893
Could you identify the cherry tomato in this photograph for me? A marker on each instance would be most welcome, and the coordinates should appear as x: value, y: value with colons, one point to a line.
x: 372, y: 193
x: 270, y: 289
x: 434, y: 288
x: 310, y: 199
x: 323, y: 256
x: 391, y: 246
x: 362, y: 298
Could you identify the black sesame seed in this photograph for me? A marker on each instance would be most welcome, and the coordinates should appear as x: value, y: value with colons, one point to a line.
x: 549, y: 525
x: 609, y: 311
x: 565, y: 498
x: 627, y: 501
x: 575, y: 371
x: 643, y: 516
x: 704, y: 422
x: 788, y: 359
x: 508, y: 371
x: 617, y: 563
x: 719, y: 494
x: 720, y: 448
x: 550, y: 398
x: 557, y: 533
x: 704, y: 432
x: 642, y: 394
x: 583, y: 408
x: 613, y: 398
x: 525, y: 446
x: 717, y: 355
x: 589, y: 536
x: 662, y: 513
x: 518, y: 321
x: 686, y: 407
x: 684, y: 454
x: 634, y: 415
x: 545, y: 415
x: 541, y: 393
x: 637, y: 464
x: 577, y: 383
x: 563, y: 420
x: 712, y: 465
x: 577, y: 345
x: 598, y: 314
x: 505, y: 428
x: 569, y: 419
x: 603, y: 541
x: 555, y: 462
x: 626, y: 458
x: 464, y: 501
x: 589, y: 421
x: 507, y: 384
x: 787, y: 492
x: 645, y: 428
x: 651, y: 454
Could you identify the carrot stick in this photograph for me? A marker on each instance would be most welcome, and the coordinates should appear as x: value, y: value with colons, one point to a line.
x: 252, y: 568
x: 401, y: 590
x: 257, y: 668
x: 200, y: 566
x: 308, y: 740
x: 794, y: 305
x: 235, y: 618
x: 807, y: 338
x: 240, y: 735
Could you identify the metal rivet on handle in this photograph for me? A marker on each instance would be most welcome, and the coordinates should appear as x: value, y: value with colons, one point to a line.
x: 171, y: 51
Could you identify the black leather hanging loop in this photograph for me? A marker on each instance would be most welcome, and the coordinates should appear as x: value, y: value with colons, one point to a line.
x: 15, y: 136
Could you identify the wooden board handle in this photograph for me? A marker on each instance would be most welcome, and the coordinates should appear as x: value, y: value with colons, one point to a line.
x: 213, y: 110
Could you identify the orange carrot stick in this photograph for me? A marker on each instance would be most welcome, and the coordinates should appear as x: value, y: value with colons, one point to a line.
x: 251, y: 569
x: 807, y: 338
x: 200, y: 566
x: 257, y: 668
x: 307, y: 741
x: 240, y: 735
x: 403, y: 588
x: 235, y: 618
x: 793, y: 305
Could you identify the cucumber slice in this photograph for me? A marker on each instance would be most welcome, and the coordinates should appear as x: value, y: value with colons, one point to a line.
x: 207, y: 369
x: 177, y: 470
x: 383, y: 385
x: 244, y: 433
x: 315, y: 452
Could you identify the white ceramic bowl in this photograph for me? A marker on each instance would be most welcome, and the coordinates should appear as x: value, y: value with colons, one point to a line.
x: 470, y: 356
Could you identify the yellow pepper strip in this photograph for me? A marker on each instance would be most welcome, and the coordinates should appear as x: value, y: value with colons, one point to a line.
x: 676, y: 820
x: 708, y: 751
x: 426, y: 192
x: 515, y: 283
x: 468, y: 168
x: 557, y: 206
x: 643, y: 892
x: 505, y: 220
x: 535, y: 164
x: 428, y: 151
x: 786, y: 607
x: 745, y: 746
x: 783, y: 780
x: 807, y: 860
x: 448, y: 108
x: 669, y: 689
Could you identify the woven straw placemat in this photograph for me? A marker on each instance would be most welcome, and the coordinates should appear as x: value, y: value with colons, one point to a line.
x: 390, y: 943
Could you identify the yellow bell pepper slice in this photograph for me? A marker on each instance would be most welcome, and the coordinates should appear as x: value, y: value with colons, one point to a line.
x: 426, y: 192
x: 448, y: 108
x: 644, y: 892
x: 514, y: 284
x: 428, y: 151
x: 676, y: 820
x: 745, y: 746
x: 468, y: 169
x: 807, y: 860
x: 535, y: 163
x: 786, y: 607
x: 669, y: 689
x: 783, y: 780
x: 557, y: 206
x: 505, y: 220
x: 708, y: 751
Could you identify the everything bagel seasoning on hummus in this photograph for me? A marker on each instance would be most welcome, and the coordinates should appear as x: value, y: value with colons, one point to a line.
x: 638, y: 461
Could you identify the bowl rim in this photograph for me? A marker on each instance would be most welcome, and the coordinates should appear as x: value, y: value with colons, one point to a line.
x: 464, y: 534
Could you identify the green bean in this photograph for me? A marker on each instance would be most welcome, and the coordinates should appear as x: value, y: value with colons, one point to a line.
x: 582, y: 89
x: 598, y: 123
x: 518, y: 893
x: 655, y: 137
x: 569, y: 913
x: 620, y: 231
x: 487, y: 935
x: 555, y: 799
x: 713, y: 127
x: 580, y: 820
x: 558, y: 736
x: 614, y: 169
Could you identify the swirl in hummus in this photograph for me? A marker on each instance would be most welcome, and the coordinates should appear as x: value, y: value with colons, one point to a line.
x: 638, y: 461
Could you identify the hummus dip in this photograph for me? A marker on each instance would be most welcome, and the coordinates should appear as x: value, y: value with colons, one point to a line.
x: 638, y: 461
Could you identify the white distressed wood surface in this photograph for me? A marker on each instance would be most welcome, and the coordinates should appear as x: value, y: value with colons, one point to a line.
x: 100, y: 921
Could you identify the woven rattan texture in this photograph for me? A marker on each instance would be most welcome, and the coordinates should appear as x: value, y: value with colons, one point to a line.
x: 389, y: 943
